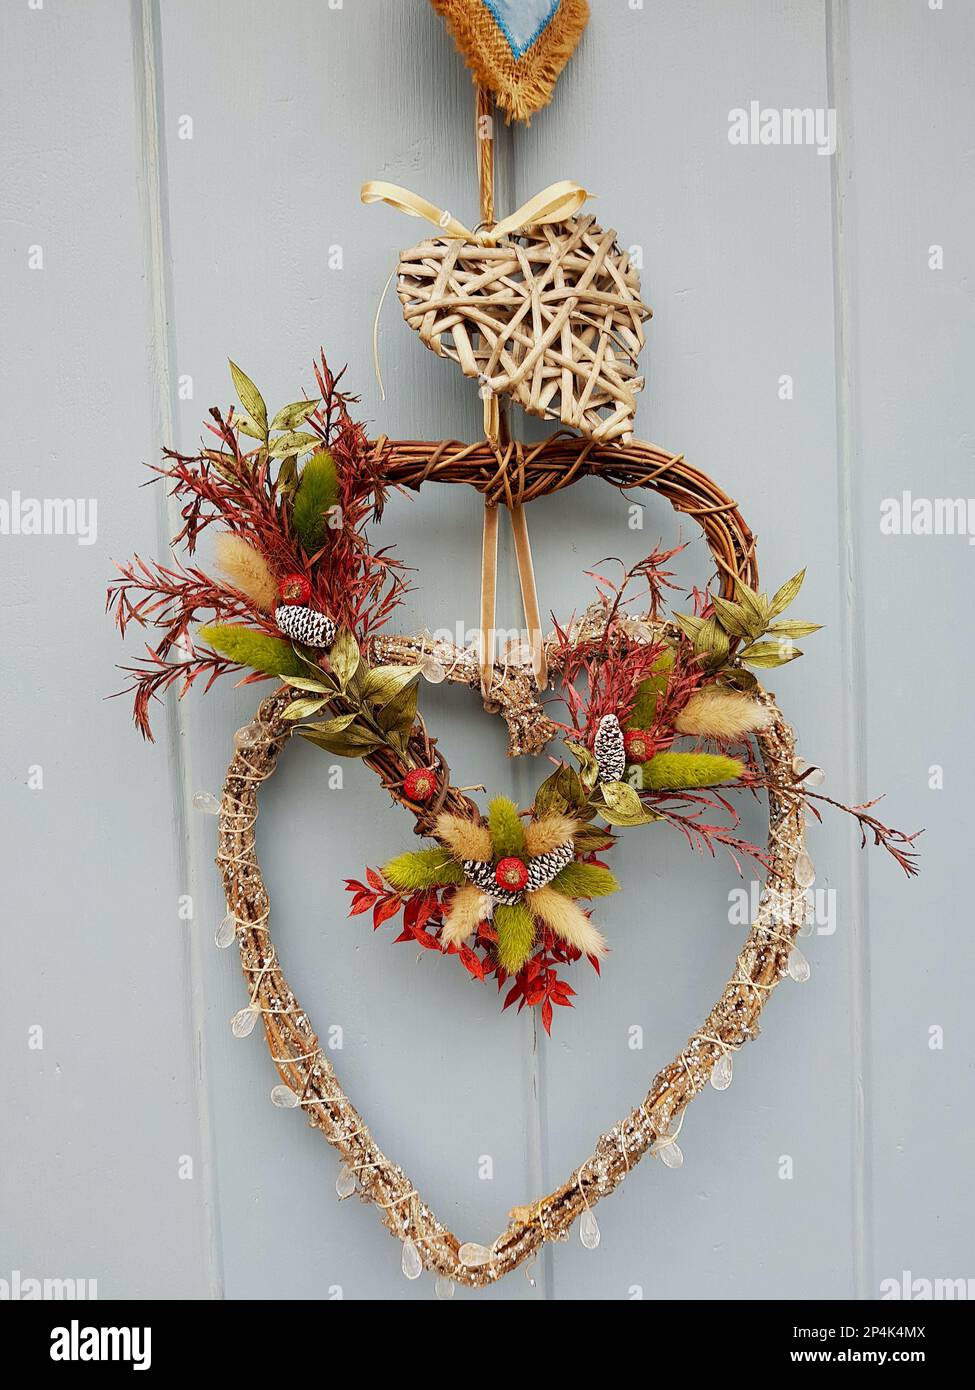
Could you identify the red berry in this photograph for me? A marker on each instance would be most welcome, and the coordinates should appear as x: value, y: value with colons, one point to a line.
x: 295, y: 588
x: 638, y: 745
x: 511, y: 873
x: 420, y: 783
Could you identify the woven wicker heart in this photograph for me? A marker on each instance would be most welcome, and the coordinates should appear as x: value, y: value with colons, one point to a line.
x: 551, y: 317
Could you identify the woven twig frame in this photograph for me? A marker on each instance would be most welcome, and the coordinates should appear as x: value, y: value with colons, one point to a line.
x: 304, y: 1067
x: 521, y: 473
x: 291, y: 1037
x: 551, y: 317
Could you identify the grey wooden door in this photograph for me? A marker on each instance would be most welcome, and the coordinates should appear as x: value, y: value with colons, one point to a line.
x: 180, y: 183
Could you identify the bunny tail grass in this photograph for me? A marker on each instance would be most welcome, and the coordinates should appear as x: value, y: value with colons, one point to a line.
x: 247, y: 570
x: 717, y: 713
x: 567, y: 920
x: 466, y: 839
x: 466, y: 911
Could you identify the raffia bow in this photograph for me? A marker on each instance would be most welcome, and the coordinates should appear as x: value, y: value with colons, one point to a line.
x: 556, y: 203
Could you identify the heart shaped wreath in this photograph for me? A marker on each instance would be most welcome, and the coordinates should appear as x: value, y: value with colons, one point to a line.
x: 305, y: 599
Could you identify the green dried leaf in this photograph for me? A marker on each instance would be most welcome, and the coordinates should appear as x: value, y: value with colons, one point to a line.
x: 289, y: 417
x: 301, y: 709
x: 767, y: 655
x: 731, y: 616
x: 784, y: 596
x: 787, y: 627
x: 623, y: 806
x: 590, y: 838
x: 247, y: 425
x: 294, y: 442
x: 399, y: 714
x: 688, y: 625
x: 649, y: 690
x: 344, y: 745
x: 338, y: 725
x: 756, y: 613
x: 306, y: 683
x: 588, y: 766
x: 343, y: 657
x: 250, y: 398
x: 287, y: 479
x: 712, y: 642
x: 735, y: 678
x: 381, y: 683
x: 563, y: 792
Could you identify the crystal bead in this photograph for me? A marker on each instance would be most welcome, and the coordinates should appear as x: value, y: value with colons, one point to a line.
x: 283, y: 1097
x: 444, y: 1287
x: 811, y: 775
x: 472, y: 1255
x: 722, y: 1072
x: 798, y: 966
x: 589, y: 1229
x: 669, y: 1153
x: 242, y: 1023
x: 411, y: 1263
x: 805, y: 871
x: 206, y: 802
x: 226, y: 933
x: 248, y: 735
x: 432, y: 671
x: 345, y: 1182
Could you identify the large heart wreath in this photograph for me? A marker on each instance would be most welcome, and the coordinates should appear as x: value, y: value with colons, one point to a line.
x: 665, y: 721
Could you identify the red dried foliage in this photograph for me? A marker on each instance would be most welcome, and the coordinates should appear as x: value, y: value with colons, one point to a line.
x: 897, y: 843
x: 599, y: 676
x: 538, y: 984
x: 359, y: 587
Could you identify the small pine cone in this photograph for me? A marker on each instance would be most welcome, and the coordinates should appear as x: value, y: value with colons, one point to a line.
x: 304, y: 625
x: 544, y: 867
x: 608, y: 748
x: 481, y: 874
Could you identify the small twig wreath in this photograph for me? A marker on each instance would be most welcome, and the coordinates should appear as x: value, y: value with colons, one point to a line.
x: 309, y: 1081
x: 307, y: 599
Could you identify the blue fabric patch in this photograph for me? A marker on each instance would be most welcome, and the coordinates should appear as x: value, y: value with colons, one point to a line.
x: 521, y: 21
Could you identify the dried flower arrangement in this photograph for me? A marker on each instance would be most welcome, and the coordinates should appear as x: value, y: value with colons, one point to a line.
x: 304, y: 594
x: 665, y: 724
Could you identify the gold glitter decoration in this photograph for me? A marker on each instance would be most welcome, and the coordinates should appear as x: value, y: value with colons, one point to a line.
x: 305, y: 1070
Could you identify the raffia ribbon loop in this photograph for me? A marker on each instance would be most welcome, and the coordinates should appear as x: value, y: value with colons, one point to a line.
x: 556, y: 203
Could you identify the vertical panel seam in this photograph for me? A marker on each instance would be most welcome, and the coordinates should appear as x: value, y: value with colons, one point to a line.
x: 851, y: 608
x: 145, y: 21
